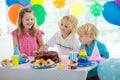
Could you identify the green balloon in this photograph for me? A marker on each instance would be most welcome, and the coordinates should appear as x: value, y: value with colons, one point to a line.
x: 96, y: 9
x: 40, y: 19
x: 40, y: 13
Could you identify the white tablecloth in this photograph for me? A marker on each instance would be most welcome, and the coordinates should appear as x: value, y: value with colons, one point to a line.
x: 25, y: 72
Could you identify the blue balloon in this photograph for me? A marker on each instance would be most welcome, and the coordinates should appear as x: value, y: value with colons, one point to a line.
x: 11, y: 2
x: 111, y: 12
x: 24, y: 2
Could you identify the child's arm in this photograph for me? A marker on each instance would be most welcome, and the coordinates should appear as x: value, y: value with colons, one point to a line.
x: 40, y: 43
x: 15, y: 41
x: 103, y: 51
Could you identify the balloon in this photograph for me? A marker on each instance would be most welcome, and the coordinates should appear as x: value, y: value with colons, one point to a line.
x: 77, y: 9
x: 28, y: 6
x: 111, y: 12
x: 40, y: 13
x: 59, y: 3
x: 11, y: 2
x: 96, y: 9
x: 37, y: 2
x: 40, y: 20
x: 117, y: 2
x: 24, y: 2
x: 13, y: 12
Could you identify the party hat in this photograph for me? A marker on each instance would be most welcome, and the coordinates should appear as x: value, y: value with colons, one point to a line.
x: 82, y: 53
x: 95, y: 54
x: 17, y: 52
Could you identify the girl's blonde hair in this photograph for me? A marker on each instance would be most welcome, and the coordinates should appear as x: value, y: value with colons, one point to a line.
x: 72, y: 22
x: 20, y: 24
x: 88, y: 29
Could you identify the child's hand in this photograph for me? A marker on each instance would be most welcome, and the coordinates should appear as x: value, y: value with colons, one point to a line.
x: 34, y: 52
x: 46, y: 47
x: 24, y: 56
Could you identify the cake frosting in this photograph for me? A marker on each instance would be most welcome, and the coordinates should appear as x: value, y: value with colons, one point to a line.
x: 53, y: 55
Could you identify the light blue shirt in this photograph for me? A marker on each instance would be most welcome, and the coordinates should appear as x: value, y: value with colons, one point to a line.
x: 102, y: 50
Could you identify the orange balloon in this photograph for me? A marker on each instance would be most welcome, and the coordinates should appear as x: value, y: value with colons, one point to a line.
x: 59, y: 3
x: 13, y: 12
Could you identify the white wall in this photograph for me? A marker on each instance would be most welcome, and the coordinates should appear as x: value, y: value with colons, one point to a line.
x: 6, y: 46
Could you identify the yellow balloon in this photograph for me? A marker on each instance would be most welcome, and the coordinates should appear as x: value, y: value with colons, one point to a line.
x: 59, y: 3
x: 37, y: 2
x: 77, y: 9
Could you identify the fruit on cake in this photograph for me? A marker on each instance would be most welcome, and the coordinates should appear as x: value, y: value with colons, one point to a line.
x: 53, y: 55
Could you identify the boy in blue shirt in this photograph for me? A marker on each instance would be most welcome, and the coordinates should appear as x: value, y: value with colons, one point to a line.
x: 87, y: 34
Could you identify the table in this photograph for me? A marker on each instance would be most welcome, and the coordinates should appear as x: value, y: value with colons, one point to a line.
x: 25, y: 72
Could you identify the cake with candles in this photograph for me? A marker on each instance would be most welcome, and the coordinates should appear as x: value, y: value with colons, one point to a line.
x: 83, y: 58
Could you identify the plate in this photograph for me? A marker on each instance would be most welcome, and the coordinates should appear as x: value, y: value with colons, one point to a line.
x: 43, y: 67
x: 6, y: 65
x: 86, y: 64
x: 23, y: 60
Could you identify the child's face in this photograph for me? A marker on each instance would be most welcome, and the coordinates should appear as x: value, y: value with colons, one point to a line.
x: 28, y: 20
x: 84, y: 38
x: 64, y: 28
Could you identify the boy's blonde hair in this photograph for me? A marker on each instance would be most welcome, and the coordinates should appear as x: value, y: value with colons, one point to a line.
x: 20, y: 24
x: 72, y: 22
x: 89, y: 30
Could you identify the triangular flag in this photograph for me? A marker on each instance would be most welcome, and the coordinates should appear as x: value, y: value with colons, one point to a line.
x: 95, y: 54
x: 82, y: 53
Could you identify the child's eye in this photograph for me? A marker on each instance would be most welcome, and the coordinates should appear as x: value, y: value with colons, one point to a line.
x: 32, y: 19
x: 27, y: 19
x: 61, y: 24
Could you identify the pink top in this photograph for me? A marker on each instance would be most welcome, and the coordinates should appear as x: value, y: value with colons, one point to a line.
x: 27, y: 44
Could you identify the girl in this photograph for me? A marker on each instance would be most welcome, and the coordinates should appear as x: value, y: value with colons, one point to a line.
x: 87, y: 34
x: 27, y: 36
x: 65, y: 38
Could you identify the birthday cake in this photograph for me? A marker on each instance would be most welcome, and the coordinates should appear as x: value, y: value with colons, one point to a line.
x: 53, y: 55
x: 83, y: 58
